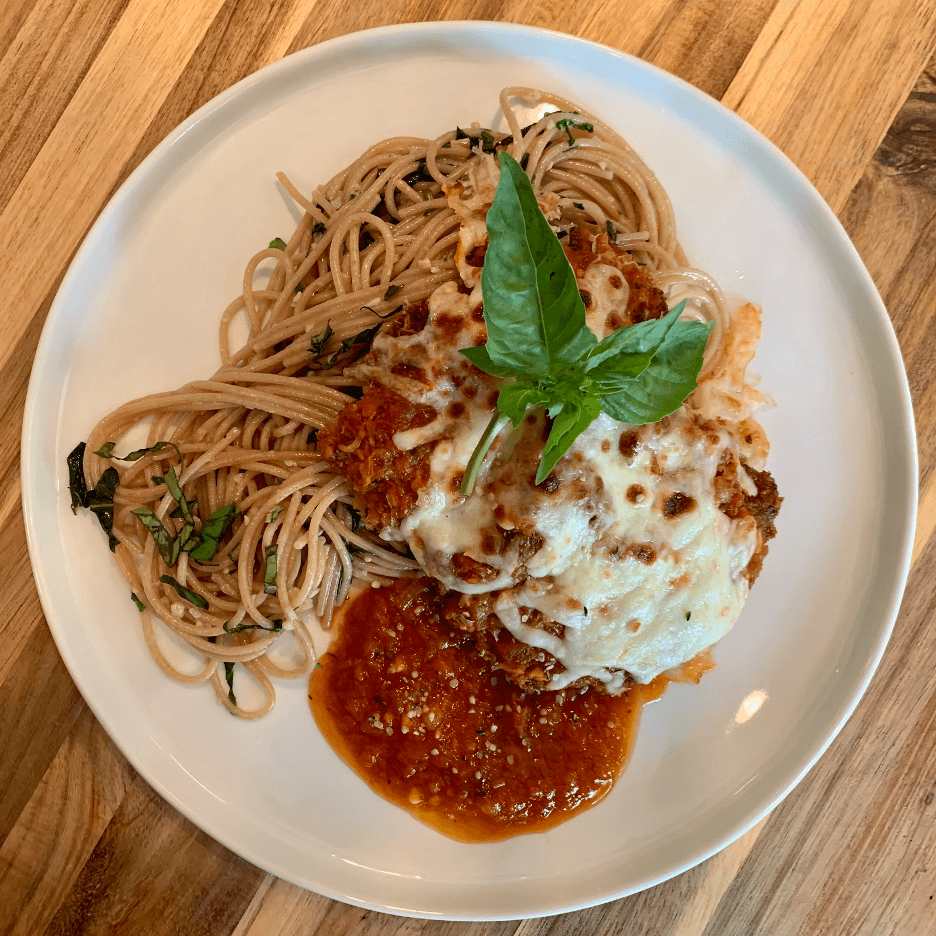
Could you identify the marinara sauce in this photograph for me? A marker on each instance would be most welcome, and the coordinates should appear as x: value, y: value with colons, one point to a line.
x: 409, y: 704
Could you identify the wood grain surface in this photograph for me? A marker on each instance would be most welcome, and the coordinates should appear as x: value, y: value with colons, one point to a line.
x: 89, y: 87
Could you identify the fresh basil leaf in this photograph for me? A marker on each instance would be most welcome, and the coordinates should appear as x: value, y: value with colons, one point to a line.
x: 167, y: 544
x: 612, y: 232
x: 77, y: 486
x: 274, y: 513
x: 183, y: 592
x: 269, y: 573
x: 140, y: 606
x: 669, y: 378
x: 482, y: 360
x: 391, y: 291
x: 278, y: 243
x: 105, y: 450
x: 628, y: 351
x: 534, y: 314
x: 212, y: 532
x: 101, y: 501
x: 318, y: 228
x: 229, y: 676
x: 576, y: 416
x: 515, y: 399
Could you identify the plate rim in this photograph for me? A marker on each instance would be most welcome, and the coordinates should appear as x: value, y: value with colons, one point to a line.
x: 413, y: 32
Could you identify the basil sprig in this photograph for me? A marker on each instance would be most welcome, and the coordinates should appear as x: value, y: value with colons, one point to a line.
x: 538, y: 340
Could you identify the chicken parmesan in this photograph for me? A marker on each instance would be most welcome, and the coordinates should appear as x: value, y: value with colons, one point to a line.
x: 489, y: 438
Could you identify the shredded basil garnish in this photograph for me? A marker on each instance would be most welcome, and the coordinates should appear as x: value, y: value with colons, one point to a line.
x: 278, y: 243
x: 140, y: 606
x: 269, y: 573
x: 183, y: 592
x: 229, y: 676
x: 77, y: 486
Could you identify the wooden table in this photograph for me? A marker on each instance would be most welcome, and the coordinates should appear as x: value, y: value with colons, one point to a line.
x: 88, y: 87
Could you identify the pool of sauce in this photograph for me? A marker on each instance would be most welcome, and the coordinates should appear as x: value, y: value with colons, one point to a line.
x: 412, y: 708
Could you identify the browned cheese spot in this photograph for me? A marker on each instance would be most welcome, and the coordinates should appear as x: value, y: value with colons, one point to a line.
x: 629, y: 443
x: 642, y: 552
x: 677, y: 504
x: 636, y: 493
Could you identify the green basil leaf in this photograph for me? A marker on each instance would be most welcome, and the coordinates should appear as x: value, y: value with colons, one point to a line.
x: 482, y: 360
x: 575, y: 417
x: 101, y: 501
x: 183, y: 592
x: 212, y: 532
x: 167, y: 544
x: 669, y: 378
x: 320, y: 341
x: 175, y: 489
x: 278, y: 243
x: 274, y: 513
x: 534, y: 314
x: 269, y: 573
x: 628, y: 351
x: 140, y: 606
x: 105, y: 450
x: 515, y: 399
x: 229, y: 676
x: 77, y: 486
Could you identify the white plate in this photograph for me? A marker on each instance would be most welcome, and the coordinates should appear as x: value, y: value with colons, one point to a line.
x: 138, y: 312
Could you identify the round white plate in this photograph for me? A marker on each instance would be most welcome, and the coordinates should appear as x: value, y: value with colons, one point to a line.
x: 138, y: 312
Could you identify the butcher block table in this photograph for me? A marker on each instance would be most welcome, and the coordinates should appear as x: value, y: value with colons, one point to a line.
x: 88, y: 87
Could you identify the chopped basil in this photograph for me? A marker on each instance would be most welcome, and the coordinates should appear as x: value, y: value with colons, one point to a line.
x: 212, y: 532
x: 579, y: 205
x: 269, y: 573
x: 612, y: 232
x: 318, y: 228
x: 101, y: 501
x: 688, y: 615
x: 77, y: 486
x: 106, y: 450
x: 175, y: 489
x: 278, y: 243
x: 183, y: 592
x: 229, y: 676
x: 392, y: 291
x: 567, y: 122
x: 168, y: 545
x: 140, y: 606
x: 357, y: 344
x: 274, y: 513
x: 320, y: 341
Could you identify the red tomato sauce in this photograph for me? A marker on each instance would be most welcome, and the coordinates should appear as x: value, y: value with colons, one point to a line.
x: 411, y: 707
